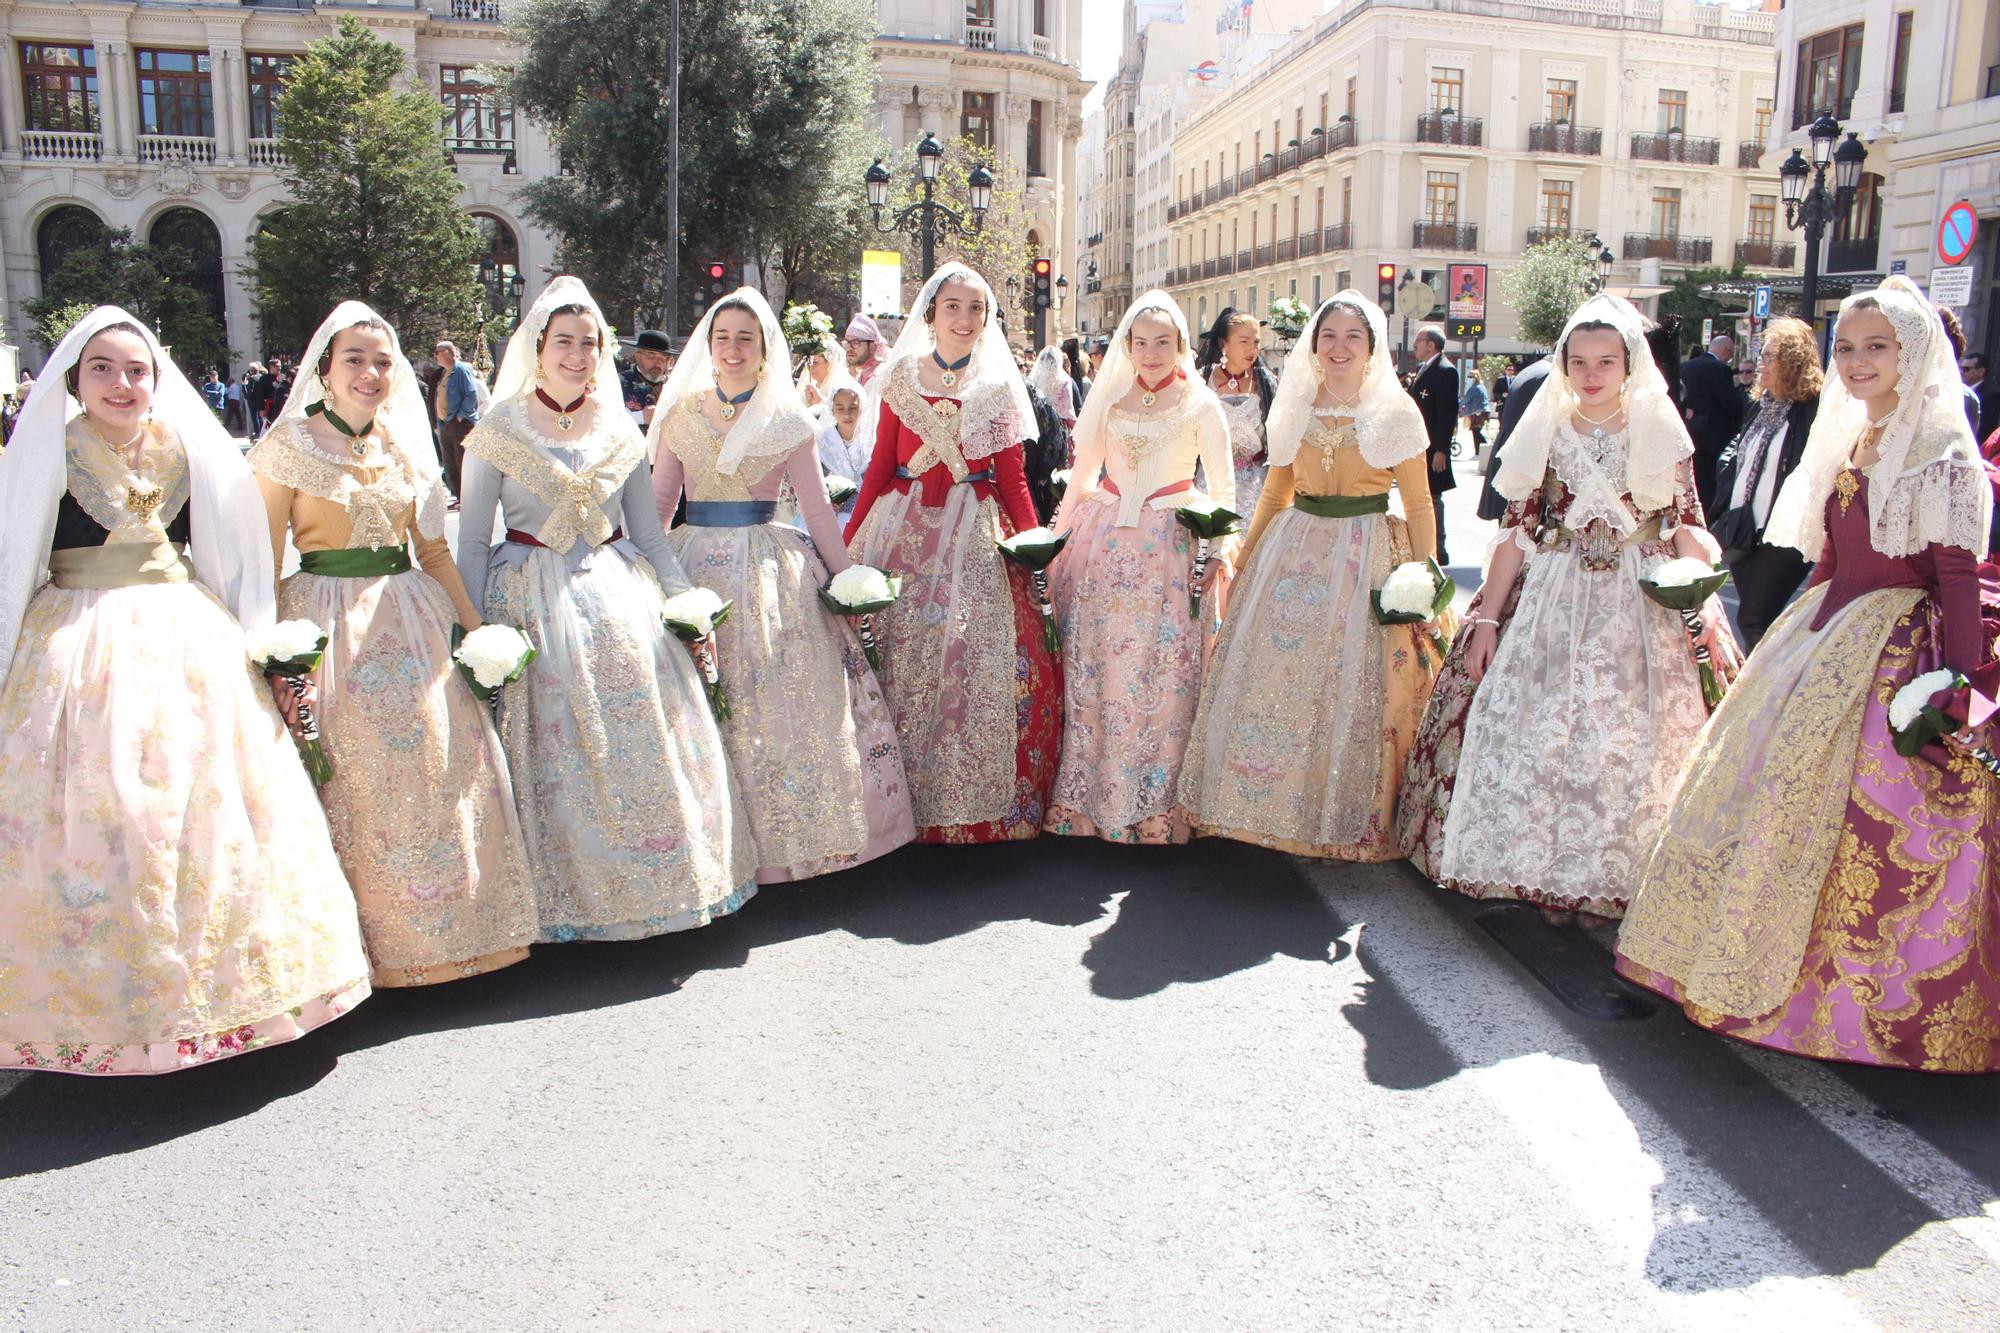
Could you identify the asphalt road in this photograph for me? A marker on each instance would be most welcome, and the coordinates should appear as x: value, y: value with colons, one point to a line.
x: 1049, y: 1085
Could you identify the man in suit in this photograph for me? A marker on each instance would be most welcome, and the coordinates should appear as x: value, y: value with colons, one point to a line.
x: 1714, y: 410
x: 1525, y: 384
x: 1434, y: 385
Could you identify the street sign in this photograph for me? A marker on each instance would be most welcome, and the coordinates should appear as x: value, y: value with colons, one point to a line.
x: 1417, y: 300
x: 1958, y: 229
x: 1762, y: 308
x: 1467, y: 285
x: 882, y: 282
x: 1951, y: 286
x: 1899, y: 266
x: 1468, y: 330
x: 1707, y: 331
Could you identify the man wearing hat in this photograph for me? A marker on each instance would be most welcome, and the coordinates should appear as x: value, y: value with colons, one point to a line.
x: 645, y: 370
x: 864, y: 348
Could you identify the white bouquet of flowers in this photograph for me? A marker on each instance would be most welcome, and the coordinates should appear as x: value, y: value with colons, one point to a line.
x: 1288, y: 316
x: 492, y: 656
x: 1207, y: 520
x: 691, y: 617
x: 1915, y: 722
x: 839, y: 490
x: 1416, y: 592
x: 293, y: 649
x: 1683, y: 584
x: 808, y: 331
x: 1035, y: 550
x: 862, y: 590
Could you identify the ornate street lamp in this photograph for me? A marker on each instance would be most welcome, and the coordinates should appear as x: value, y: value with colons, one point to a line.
x: 1606, y: 257
x: 1809, y: 204
x: 927, y: 219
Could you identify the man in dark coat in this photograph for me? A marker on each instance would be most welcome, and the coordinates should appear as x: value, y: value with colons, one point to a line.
x: 1525, y: 385
x: 1714, y: 410
x: 1435, y: 387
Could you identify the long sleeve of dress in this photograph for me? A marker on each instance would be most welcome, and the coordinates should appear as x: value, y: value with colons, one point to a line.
x: 1084, y: 479
x: 1010, y: 480
x: 1958, y: 600
x: 645, y: 529
x: 1217, y: 466
x: 1413, y: 483
x: 434, y: 557
x: 278, y: 509
x: 478, y: 502
x: 822, y: 524
x: 1281, y: 486
x: 881, y: 466
x: 669, y: 475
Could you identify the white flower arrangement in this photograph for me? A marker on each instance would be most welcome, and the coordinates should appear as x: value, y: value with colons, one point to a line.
x: 1912, y: 699
x: 808, y: 330
x: 1289, y: 315
x: 1681, y: 572
x: 1410, y: 590
x: 286, y: 641
x: 493, y: 655
x: 858, y: 585
x: 695, y: 613
x: 839, y: 490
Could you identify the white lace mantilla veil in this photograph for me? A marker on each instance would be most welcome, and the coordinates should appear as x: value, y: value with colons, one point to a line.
x: 1656, y: 439
x: 1118, y: 376
x: 519, y: 362
x: 996, y: 410
x: 1927, y: 484
x: 1048, y: 372
x: 1387, y: 424
x: 774, y: 422
x: 230, y: 536
x: 836, y: 357
x: 403, y: 414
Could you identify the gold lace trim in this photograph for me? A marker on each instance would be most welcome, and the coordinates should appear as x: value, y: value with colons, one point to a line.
x: 129, y: 505
x: 938, y: 429
x: 288, y: 457
x: 575, y: 499
x: 696, y: 442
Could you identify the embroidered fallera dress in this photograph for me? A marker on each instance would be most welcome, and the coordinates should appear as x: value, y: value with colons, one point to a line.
x: 975, y: 692
x: 1245, y: 414
x: 1550, y: 784
x: 420, y: 805
x: 168, y: 892
x: 1311, y: 704
x: 1812, y: 890
x: 811, y: 743
x: 631, y: 818
x: 1133, y: 652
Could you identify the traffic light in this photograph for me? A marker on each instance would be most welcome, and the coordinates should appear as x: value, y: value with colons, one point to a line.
x: 717, y: 272
x: 1385, y: 288
x: 1043, y: 276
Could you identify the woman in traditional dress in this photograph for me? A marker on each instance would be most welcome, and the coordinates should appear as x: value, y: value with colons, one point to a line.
x: 168, y: 892
x: 810, y: 740
x: 1230, y: 365
x: 633, y: 826
x: 420, y: 805
x: 1051, y: 379
x: 1587, y: 695
x: 1133, y: 649
x: 1813, y: 890
x: 1311, y: 704
x: 975, y: 691
x: 841, y: 440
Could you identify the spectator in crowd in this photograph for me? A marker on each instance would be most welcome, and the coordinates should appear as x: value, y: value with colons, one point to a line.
x: 456, y: 403
x: 1474, y: 404
x: 257, y: 399
x: 236, y: 417
x: 1975, y: 406
x: 643, y: 373
x: 1523, y: 384
x: 1972, y: 368
x: 863, y: 344
x: 214, y: 392
x: 1434, y: 384
x: 1714, y: 409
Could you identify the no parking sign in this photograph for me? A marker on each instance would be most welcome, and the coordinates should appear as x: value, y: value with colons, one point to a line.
x: 1958, y: 229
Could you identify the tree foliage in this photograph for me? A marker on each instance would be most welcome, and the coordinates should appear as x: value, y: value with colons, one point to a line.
x: 375, y: 215
x: 774, y: 139
x: 1683, y: 297
x: 151, y: 281
x: 1547, y: 286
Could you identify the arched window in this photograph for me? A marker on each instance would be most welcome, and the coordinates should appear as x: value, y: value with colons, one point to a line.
x: 500, y: 256
x: 191, y: 233
x: 64, y: 230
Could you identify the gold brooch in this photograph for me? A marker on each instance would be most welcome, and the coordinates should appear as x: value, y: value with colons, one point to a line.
x: 1845, y: 485
x: 946, y: 407
x: 143, y: 500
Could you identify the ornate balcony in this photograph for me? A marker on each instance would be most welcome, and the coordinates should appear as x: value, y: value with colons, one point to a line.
x: 159, y: 148
x: 476, y: 11
x: 1344, y: 133
x: 266, y: 153
x: 1246, y: 259
x: 1288, y: 250
x: 1340, y: 236
x: 1562, y: 137
x: 1542, y: 235
x: 1676, y: 147
x: 1673, y: 249
x: 1309, y: 244
x: 1766, y: 254
x: 1749, y: 154
x: 1443, y: 127
x: 1855, y: 254
x: 1045, y: 47
x: 979, y: 36
x: 1445, y: 235
x: 61, y: 146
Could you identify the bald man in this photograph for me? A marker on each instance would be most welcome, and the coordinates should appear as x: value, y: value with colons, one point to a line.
x: 1714, y: 410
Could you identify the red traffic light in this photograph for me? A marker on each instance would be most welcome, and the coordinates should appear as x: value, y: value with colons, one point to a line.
x: 1041, y: 268
x: 716, y: 271
x: 1385, y: 272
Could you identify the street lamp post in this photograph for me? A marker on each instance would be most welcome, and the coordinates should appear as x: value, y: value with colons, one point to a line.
x: 927, y: 219
x: 1809, y: 205
x: 1606, y: 257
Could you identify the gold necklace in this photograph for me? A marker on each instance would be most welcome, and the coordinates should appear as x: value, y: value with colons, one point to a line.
x: 141, y: 499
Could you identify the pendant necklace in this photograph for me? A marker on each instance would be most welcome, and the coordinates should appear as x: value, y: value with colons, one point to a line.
x: 141, y: 499
x: 950, y: 368
x: 358, y: 441
x: 1150, y: 393
x: 1596, y: 424
x: 730, y: 402
x: 1231, y: 381
x: 565, y: 416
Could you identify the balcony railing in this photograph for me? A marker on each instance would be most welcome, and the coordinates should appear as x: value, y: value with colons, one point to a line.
x: 1766, y: 254
x: 1562, y: 137
x: 176, y: 147
x: 477, y: 11
x: 1289, y: 158
x: 266, y: 153
x: 1208, y: 268
x: 1288, y: 250
x: 1309, y: 244
x: 1343, y: 134
x: 1673, y: 249
x: 1749, y: 154
x: 1676, y: 147
x: 1267, y: 167
x: 1225, y: 266
x: 1445, y: 235
x: 1856, y: 254
x: 480, y: 147
x: 1246, y: 178
x: 979, y: 36
x: 1340, y: 236
x: 1246, y: 259
x: 1462, y: 131
x: 1542, y: 235
x: 1264, y: 255
x: 61, y: 146
x: 1045, y: 47
x: 1095, y: 239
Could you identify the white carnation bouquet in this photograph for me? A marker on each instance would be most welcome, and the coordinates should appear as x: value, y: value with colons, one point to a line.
x: 292, y: 650
x: 1683, y: 584
x: 1288, y: 316
x: 691, y: 617
x: 1208, y: 521
x: 1034, y: 550
x: 1416, y: 592
x: 839, y: 490
x: 861, y: 591
x: 1915, y: 722
x: 492, y: 656
x: 808, y: 330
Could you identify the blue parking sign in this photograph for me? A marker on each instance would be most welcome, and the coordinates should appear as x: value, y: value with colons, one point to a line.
x: 1762, y: 309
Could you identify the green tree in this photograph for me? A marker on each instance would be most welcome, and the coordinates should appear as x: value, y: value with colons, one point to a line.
x: 998, y: 251
x: 1683, y: 297
x: 374, y: 214
x: 774, y: 102
x: 1547, y: 286
x: 151, y: 281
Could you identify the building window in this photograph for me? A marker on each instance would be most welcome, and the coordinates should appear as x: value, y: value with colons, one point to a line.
x: 1351, y: 103
x: 1441, y: 198
x: 1295, y: 215
x: 1346, y: 200
x: 176, y: 95
x: 975, y: 120
x: 1322, y: 111
x: 195, y: 236
x: 1041, y: 18
x: 65, y: 230
x: 1666, y: 212
x: 1763, y: 218
x: 1250, y: 300
x: 1319, y: 208
x: 266, y: 76
x: 477, y: 117
x: 1829, y: 68
x: 1035, y: 138
x: 1344, y: 280
x: 979, y: 13
x: 1558, y: 203
x: 1762, y: 120
x: 60, y: 86
x: 1317, y: 298
x: 1448, y: 90
x: 1899, y: 72
x: 1257, y: 146
x: 1863, y: 218
x: 1673, y: 109
x: 1562, y: 99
